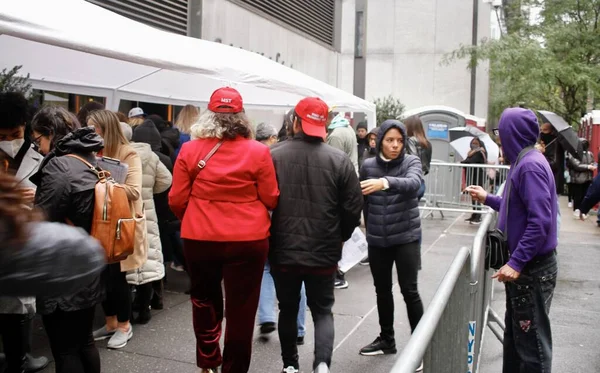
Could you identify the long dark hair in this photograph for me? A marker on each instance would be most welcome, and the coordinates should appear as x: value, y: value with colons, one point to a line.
x: 54, y: 121
x: 414, y: 127
x: 86, y: 110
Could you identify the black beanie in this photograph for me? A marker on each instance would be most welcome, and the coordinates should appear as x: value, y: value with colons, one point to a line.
x: 362, y: 125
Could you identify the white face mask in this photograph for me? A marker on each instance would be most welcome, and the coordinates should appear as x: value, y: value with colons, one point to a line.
x: 11, y: 148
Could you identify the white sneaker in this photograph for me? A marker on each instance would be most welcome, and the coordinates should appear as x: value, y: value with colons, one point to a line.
x: 322, y: 368
x: 576, y: 214
x: 570, y: 205
x: 290, y: 369
x: 120, y: 339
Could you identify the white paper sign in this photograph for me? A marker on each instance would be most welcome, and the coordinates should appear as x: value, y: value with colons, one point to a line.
x: 355, y: 249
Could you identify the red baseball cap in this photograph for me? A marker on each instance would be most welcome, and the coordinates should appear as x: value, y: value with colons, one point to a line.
x: 226, y: 100
x: 313, y: 111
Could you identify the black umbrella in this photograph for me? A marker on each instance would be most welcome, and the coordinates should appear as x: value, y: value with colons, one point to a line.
x: 567, y: 137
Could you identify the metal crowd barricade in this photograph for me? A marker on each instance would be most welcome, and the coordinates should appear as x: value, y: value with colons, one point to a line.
x: 449, y: 336
x: 446, y: 182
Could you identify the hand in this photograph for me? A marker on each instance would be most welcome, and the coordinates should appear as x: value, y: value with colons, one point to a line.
x: 592, y: 168
x: 28, y: 194
x: 501, y: 160
x: 506, y: 274
x: 541, y: 147
x: 477, y: 193
x: 371, y: 186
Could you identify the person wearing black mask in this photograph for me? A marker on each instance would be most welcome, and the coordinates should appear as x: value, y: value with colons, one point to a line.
x: 554, y: 154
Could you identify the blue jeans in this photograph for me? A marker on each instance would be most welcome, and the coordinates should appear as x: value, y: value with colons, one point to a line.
x: 528, y: 336
x: 268, y: 298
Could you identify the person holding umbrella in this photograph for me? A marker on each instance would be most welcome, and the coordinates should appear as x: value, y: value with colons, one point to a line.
x: 476, y: 176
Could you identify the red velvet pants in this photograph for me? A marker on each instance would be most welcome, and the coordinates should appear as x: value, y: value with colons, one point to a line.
x: 240, y: 266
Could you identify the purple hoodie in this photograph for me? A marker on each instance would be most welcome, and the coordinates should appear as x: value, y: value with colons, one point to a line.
x: 533, y: 205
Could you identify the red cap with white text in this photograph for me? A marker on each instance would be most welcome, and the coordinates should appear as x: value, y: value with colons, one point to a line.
x: 226, y: 100
x: 313, y: 111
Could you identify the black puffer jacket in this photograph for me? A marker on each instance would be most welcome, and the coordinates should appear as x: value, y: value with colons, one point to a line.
x: 66, y: 192
x: 319, y: 205
x: 392, y: 215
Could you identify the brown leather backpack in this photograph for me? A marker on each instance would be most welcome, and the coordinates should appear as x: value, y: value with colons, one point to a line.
x: 113, y: 223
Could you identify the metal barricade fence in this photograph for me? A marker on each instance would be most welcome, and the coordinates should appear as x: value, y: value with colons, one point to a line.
x: 446, y: 182
x: 449, y: 336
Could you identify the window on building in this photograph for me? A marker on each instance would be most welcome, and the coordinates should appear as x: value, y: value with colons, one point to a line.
x: 171, y: 15
x: 315, y: 18
x: 359, y: 35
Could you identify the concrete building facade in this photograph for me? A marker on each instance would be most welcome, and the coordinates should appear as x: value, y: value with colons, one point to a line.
x: 371, y: 48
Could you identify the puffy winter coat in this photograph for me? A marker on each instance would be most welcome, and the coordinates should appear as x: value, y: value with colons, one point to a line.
x: 66, y: 192
x: 344, y: 139
x: 319, y: 206
x: 392, y: 215
x: 155, y: 179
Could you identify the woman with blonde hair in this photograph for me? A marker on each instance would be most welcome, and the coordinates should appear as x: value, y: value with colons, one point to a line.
x: 134, y: 122
x: 223, y: 201
x: 185, y: 120
x: 117, y: 306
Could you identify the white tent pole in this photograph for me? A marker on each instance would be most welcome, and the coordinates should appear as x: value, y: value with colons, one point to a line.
x: 136, y: 79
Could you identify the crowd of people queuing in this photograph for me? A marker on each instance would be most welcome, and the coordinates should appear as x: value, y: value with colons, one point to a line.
x: 258, y: 233
x: 269, y: 226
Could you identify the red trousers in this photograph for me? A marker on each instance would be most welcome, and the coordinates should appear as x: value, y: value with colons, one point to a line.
x: 240, y: 266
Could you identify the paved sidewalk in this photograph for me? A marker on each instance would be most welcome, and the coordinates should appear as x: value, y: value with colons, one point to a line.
x: 167, y: 343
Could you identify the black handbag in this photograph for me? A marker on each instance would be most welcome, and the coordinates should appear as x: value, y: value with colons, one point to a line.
x: 496, y: 245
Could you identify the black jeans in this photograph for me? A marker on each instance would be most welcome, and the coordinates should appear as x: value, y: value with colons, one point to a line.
x: 118, y: 296
x: 320, y: 299
x: 408, y: 263
x: 16, y: 332
x: 72, y: 342
x: 528, y: 336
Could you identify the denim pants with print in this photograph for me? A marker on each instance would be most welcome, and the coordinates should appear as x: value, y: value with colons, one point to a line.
x: 528, y: 336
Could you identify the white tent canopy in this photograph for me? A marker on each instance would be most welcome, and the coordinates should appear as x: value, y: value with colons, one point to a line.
x: 77, y: 47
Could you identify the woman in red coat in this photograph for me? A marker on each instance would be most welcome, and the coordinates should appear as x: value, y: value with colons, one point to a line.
x: 224, y: 185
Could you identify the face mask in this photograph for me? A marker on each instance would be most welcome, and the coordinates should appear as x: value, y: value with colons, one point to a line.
x: 11, y: 148
x: 474, y: 146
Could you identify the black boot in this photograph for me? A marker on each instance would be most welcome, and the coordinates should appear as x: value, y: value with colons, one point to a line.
x: 157, y: 296
x: 143, y: 297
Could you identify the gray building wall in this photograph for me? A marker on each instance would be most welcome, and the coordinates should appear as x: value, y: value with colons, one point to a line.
x: 406, y: 42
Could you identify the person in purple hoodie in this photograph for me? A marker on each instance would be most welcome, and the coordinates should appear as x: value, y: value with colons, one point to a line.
x: 530, y: 226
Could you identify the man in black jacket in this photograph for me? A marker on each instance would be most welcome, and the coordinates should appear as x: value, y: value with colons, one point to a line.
x: 319, y: 208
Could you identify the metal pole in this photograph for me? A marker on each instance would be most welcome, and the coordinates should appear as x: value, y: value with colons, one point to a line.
x: 413, y: 353
x: 474, y: 43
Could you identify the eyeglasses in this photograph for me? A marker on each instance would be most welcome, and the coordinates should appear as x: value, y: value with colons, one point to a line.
x: 37, y: 140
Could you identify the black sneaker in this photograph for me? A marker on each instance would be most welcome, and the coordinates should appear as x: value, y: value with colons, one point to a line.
x: 267, y: 328
x: 300, y: 341
x: 468, y: 220
x: 364, y: 262
x: 379, y: 347
x: 340, y: 281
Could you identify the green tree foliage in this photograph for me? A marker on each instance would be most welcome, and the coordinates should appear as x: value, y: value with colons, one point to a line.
x: 552, y: 63
x: 11, y: 82
x: 388, y: 108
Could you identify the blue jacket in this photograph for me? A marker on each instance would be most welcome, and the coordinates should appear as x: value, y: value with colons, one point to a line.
x: 532, y: 214
x: 392, y: 216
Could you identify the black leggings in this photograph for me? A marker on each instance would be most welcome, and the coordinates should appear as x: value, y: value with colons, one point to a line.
x: 72, y: 342
x: 408, y: 263
x: 118, y: 296
x: 16, y: 333
x: 579, y: 191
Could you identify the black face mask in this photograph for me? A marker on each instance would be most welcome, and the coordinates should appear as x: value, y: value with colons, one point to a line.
x: 547, y: 138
